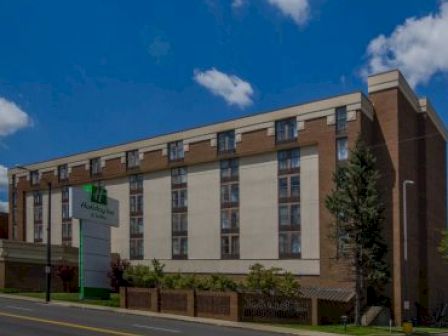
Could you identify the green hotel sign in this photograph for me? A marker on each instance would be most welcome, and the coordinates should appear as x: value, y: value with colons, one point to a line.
x: 98, y: 194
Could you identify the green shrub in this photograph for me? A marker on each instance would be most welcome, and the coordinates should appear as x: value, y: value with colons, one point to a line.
x: 271, y: 281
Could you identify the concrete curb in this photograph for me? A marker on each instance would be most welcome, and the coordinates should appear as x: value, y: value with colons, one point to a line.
x: 220, y: 323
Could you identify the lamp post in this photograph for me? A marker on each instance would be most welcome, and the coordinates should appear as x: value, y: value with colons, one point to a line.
x: 48, y: 264
x: 406, y: 304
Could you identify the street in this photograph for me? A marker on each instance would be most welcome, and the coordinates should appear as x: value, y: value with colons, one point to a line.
x: 25, y: 318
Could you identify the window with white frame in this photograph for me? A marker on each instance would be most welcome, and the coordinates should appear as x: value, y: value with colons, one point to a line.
x: 132, y: 159
x: 226, y: 142
x: 95, y: 166
x: 286, y: 130
x: 341, y: 119
x: 342, y: 149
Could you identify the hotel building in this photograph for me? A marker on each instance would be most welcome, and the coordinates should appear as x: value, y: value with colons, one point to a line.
x: 222, y: 197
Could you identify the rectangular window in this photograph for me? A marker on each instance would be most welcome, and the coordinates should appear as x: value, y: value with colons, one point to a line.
x: 342, y: 149
x: 135, y: 183
x: 37, y: 196
x: 229, y: 193
x: 136, y: 224
x: 132, y: 159
x: 136, y: 204
x: 341, y: 119
x: 63, y: 173
x: 180, y: 247
x: 179, y: 176
x: 229, y: 169
x: 226, y: 142
x: 95, y: 166
x: 179, y: 198
x: 230, y: 219
x: 180, y: 222
x: 65, y: 212
x: 34, y: 177
x: 288, y: 160
x: 67, y: 234
x: 176, y: 150
x: 286, y: 130
x: 289, y: 245
x: 136, y: 248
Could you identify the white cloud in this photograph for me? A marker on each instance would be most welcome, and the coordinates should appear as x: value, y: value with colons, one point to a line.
x: 298, y: 10
x: 237, y: 3
x: 3, y: 176
x: 233, y: 89
x: 12, y: 118
x: 4, y: 206
x: 418, y: 47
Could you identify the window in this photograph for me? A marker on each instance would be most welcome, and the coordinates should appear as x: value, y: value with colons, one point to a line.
x: 341, y: 119
x: 289, y: 159
x: 286, y: 130
x: 34, y: 177
x: 136, y: 224
x: 289, y: 186
x: 63, y: 173
x: 342, y: 149
x: 136, y: 183
x: 289, y: 216
x: 179, y: 198
x: 132, y: 159
x: 65, y: 194
x: 230, y: 246
x: 176, y: 150
x: 37, y: 196
x: 136, y: 204
x: 65, y: 212
x: 229, y: 193
x: 180, y: 222
x: 226, y: 142
x: 136, y: 249
x: 230, y: 219
x: 229, y: 169
x: 67, y: 233
x: 289, y: 245
x: 180, y: 247
x: 95, y: 166
x: 179, y: 176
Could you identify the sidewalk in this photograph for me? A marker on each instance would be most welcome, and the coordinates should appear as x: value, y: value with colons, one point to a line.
x: 244, y: 325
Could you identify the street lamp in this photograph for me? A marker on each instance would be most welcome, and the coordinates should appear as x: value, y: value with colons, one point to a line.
x: 405, y: 247
x: 48, y: 265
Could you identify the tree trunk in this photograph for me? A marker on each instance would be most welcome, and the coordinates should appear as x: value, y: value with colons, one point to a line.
x: 358, y: 294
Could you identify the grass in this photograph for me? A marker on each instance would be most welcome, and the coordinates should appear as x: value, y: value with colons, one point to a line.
x: 361, y: 331
x: 70, y: 297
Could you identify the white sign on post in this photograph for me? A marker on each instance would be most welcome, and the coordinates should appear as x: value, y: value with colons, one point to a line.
x: 96, y: 213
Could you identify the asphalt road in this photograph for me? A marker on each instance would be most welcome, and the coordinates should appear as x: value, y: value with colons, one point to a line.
x: 27, y: 318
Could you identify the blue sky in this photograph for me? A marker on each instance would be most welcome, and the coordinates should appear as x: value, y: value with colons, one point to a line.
x: 81, y: 75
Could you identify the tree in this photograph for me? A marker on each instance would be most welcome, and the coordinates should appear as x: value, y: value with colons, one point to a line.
x: 356, y: 206
x: 443, y: 248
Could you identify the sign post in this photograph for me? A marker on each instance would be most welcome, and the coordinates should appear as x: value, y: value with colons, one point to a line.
x: 96, y: 213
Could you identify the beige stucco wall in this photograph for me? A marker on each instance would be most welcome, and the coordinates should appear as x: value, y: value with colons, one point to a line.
x: 204, y: 211
x: 258, y: 207
x: 157, y: 211
x: 29, y: 217
x: 309, y: 202
x: 56, y: 217
x: 119, y: 189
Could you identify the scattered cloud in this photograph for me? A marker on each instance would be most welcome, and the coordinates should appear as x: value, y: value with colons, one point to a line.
x: 237, y: 3
x: 418, y: 47
x: 12, y: 118
x: 233, y: 89
x: 159, y: 48
x: 297, y: 10
x: 4, y: 206
x: 3, y: 176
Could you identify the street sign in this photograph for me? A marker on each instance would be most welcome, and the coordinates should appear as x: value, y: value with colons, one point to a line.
x: 96, y: 213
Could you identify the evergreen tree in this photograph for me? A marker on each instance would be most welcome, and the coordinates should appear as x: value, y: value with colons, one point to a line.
x: 356, y: 206
x: 443, y: 248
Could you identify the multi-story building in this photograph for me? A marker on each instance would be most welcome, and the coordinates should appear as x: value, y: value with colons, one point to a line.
x: 221, y: 197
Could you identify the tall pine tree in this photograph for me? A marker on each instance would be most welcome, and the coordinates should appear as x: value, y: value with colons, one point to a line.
x: 356, y: 206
